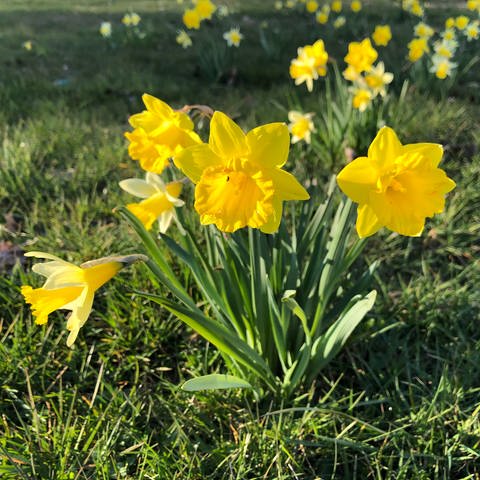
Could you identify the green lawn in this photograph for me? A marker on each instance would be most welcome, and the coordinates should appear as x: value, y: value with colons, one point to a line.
x: 403, y: 399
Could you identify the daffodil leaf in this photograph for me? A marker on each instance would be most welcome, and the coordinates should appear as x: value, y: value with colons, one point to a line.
x: 214, y: 381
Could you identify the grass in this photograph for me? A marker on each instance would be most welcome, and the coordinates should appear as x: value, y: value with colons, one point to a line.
x: 401, y: 401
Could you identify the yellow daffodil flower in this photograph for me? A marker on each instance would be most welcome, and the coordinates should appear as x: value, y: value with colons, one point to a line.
x: 362, y: 98
x: 336, y: 6
x: 449, y: 34
x: 423, y: 30
x: 339, y: 22
x: 356, y: 6
x: 311, y: 6
x: 361, y: 55
x: 472, y: 31
x: 417, y: 48
x: 450, y: 22
x: 205, y: 9
x: 473, y: 5
x: 301, y: 126
x: 105, y: 29
x: 183, y: 39
x: 461, y: 22
x: 321, y: 17
x: 396, y: 186
x: 417, y: 9
x: 442, y: 67
x: 159, y: 134
x: 310, y: 64
x: 159, y: 201
x: 238, y: 177
x: 233, y: 37
x: 28, y: 45
x: 382, y: 35
x: 191, y: 19
x: 377, y: 78
x: 71, y: 287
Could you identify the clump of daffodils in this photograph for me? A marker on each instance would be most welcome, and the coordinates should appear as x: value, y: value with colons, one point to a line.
x: 369, y: 81
x: 310, y: 64
x: 131, y: 19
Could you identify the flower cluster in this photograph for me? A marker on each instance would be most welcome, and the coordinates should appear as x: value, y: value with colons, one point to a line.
x: 368, y: 81
x: 311, y: 63
x: 130, y: 20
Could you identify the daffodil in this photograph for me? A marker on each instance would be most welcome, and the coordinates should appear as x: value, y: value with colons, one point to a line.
x: 301, y: 126
x: 310, y: 63
x: 321, y: 17
x: 311, y: 6
x: 238, y: 178
x: 445, y: 48
x: 159, y: 201
x: 28, y: 45
x: 362, y: 97
x: 417, y: 48
x: 417, y: 9
x: 449, y: 34
x: 423, y: 30
x: 233, y: 37
x: 336, y: 6
x: 339, y: 21
x: 472, y: 31
x: 205, y: 9
x: 377, y: 78
x: 70, y: 287
x: 442, y: 67
x: 159, y: 134
x: 473, y: 5
x: 461, y: 22
x: 105, y: 29
x: 382, y: 35
x: 396, y: 186
x: 361, y: 55
x: 191, y: 19
x: 183, y: 39
x: 356, y: 6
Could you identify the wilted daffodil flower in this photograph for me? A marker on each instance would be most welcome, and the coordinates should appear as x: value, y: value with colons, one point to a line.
x: 160, y: 200
x: 71, y: 287
x: 238, y: 177
x: 396, y: 186
x: 160, y: 133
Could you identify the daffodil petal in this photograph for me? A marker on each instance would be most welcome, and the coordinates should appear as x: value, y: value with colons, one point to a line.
x: 269, y: 144
x: 194, y: 160
x: 385, y: 148
x: 357, y: 179
x: 431, y: 152
x: 227, y: 139
x: 156, y: 105
x: 137, y: 187
x: 47, y: 256
x: 271, y: 226
x: 367, y: 221
x: 287, y: 187
x: 155, y: 181
x: 79, y: 315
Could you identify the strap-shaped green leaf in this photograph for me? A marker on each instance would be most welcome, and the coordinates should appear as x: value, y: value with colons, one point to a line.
x: 215, y: 381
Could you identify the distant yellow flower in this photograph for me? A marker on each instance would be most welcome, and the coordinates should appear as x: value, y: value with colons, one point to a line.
x: 191, y: 19
x: 461, y: 22
x: 160, y: 133
x: 442, y: 67
x: 361, y: 55
x: 322, y: 17
x: 233, y: 37
x: 397, y: 186
x: 310, y: 64
x: 445, y: 48
x: 183, y: 39
x: 473, y: 5
x: 449, y: 22
x: 105, y: 29
x: 238, y: 177
x: 339, y: 22
x: 28, y: 45
x: 336, y: 6
x: 311, y: 6
x: 159, y: 201
x: 377, y: 78
x: 417, y: 9
x: 205, y: 9
x: 135, y: 19
x: 127, y: 20
x: 362, y: 98
x: 417, y: 47
x: 301, y: 126
x: 382, y: 35
x: 449, y: 34
x: 356, y: 6
x: 351, y: 74
x: 423, y: 30
x: 472, y: 31
x: 70, y: 287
